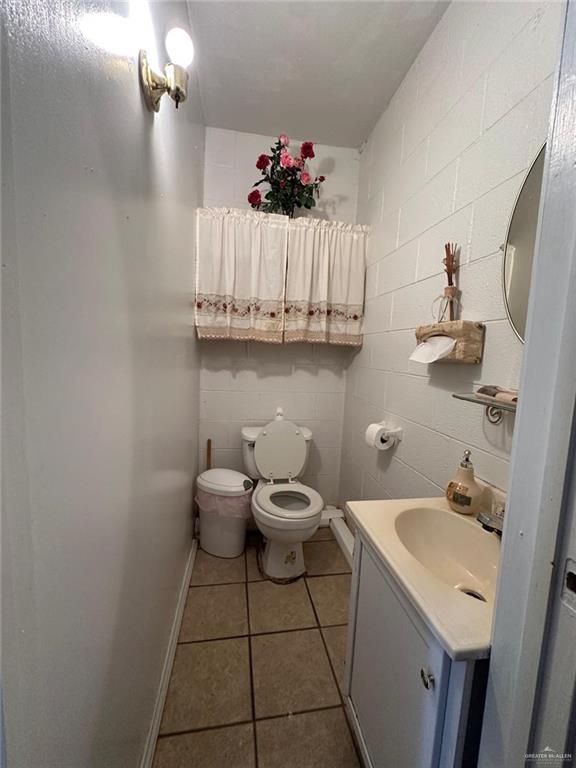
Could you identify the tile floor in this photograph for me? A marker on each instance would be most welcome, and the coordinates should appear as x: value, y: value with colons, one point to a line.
x: 259, y: 666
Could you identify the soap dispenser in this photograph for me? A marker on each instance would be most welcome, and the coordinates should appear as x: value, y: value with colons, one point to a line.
x: 463, y: 492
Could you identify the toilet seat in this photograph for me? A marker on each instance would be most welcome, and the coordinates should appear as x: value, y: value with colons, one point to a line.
x: 289, y: 501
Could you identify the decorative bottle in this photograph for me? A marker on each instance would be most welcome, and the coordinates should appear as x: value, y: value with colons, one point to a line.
x: 463, y: 492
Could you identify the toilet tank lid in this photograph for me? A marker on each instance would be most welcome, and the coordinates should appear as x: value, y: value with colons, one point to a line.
x: 224, y: 482
x: 249, y: 434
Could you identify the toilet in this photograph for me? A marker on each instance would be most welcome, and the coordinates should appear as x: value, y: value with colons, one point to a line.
x: 286, y: 511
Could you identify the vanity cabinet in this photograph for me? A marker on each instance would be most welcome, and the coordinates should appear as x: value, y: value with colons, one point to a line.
x: 410, y: 705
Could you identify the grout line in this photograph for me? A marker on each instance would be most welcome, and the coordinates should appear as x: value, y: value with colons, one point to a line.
x: 317, y: 626
x: 297, y: 712
x: 343, y: 703
x: 252, y: 700
x: 218, y: 584
x: 213, y: 639
x: 266, y: 718
x: 262, y: 634
x: 325, y: 575
x: 250, y: 634
x: 205, y: 728
x: 324, y: 643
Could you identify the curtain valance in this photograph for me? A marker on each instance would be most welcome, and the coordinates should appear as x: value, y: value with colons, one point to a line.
x: 240, y: 274
x: 325, y: 282
x: 266, y: 277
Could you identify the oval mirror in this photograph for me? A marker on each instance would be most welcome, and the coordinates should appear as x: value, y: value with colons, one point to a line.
x: 519, y: 248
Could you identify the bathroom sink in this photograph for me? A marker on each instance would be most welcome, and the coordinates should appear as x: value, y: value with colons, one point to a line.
x: 453, y: 548
x: 443, y: 562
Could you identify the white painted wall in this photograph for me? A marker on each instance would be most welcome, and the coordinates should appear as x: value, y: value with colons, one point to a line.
x: 100, y: 385
x: 444, y: 163
x: 242, y: 383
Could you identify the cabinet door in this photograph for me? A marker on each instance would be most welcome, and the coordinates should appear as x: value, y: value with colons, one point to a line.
x: 400, y: 719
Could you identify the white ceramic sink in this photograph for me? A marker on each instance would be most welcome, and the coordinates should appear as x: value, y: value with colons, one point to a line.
x: 444, y: 562
x: 453, y: 548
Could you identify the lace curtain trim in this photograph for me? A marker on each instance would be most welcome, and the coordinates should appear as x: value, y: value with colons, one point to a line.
x: 214, y: 310
x: 228, y: 306
x: 323, y: 309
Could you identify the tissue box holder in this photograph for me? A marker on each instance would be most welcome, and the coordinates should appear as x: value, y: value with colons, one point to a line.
x: 469, y: 337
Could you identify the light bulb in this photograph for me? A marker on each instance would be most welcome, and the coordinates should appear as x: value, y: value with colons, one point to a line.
x: 180, y: 47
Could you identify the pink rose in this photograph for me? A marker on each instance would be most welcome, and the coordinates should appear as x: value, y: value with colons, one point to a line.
x: 286, y: 160
x: 307, y: 149
x: 298, y: 162
x: 255, y: 198
x: 262, y: 162
x: 305, y: 177
x: 284, y: 140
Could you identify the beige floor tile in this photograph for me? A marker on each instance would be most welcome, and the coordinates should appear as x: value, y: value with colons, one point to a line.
x: 323, y: 534
x: 232, y: 746
x: 252, y: 565
x: 336, y: 638
x: 311, y: 740
x: 210, y: 685
x: 217, y: 570
x: 330, y: 595
x: 291, y: 673
x: 213, y: 612
x: 276, y: 607
x: 324, y: 557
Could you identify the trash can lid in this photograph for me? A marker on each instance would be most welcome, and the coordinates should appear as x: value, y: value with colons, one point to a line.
x: 224, y: 482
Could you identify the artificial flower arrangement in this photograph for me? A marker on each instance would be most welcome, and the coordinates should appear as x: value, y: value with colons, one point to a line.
x: 291, y: 185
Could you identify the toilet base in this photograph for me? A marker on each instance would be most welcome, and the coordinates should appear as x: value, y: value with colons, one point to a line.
x: 282, y: 560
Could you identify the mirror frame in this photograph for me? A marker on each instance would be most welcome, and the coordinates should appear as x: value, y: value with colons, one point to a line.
x: 505, y: 244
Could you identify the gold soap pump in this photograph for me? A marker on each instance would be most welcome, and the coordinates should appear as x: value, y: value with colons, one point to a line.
x: 463, y: 492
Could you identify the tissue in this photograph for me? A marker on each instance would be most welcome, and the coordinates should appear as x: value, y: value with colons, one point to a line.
x: 434, y: 348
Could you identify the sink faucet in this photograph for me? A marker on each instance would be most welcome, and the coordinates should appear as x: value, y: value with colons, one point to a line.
x: 493, y: 521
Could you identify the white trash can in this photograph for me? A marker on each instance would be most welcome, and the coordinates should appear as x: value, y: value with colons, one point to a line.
x: 223, y: 497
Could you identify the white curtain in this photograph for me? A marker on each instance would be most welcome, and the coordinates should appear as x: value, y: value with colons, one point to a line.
x: 240, y: 274
x: 325, y: 282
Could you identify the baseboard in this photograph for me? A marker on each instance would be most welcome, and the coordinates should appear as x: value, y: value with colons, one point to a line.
x: 344, y: 537
x: 357, y: 732
x: 148, y: 756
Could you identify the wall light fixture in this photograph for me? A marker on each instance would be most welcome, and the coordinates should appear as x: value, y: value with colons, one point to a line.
x: 175, y: 78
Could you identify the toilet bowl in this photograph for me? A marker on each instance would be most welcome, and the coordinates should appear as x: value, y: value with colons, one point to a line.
x: 287, y: 514
x: 286, y: 511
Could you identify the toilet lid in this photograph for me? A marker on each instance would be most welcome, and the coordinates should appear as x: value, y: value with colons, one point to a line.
x: 280, y: 450
x: 224, y: 482
x: 289, y: 500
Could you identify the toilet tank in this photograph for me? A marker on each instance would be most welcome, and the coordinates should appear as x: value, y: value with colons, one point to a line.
x: 249, y: 435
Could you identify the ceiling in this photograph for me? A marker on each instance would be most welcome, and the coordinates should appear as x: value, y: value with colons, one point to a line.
x: 323, y: 70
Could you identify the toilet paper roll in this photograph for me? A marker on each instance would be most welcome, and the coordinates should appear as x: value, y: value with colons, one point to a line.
x: 376, y: 437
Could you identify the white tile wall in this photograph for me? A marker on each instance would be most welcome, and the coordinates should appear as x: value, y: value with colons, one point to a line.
x: 242, y: 383
x: 230, y: 172
x: 445, y: 162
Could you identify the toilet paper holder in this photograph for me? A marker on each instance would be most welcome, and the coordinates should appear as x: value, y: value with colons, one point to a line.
x: 468, y: 335
x: 383, y: 436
